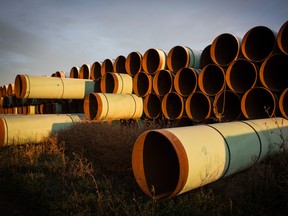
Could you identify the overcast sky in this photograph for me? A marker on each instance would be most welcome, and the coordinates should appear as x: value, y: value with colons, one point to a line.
x: 40, y: 37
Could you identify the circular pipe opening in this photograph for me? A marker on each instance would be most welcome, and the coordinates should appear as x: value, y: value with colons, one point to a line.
x: 96, y: 71
x: 119, y: 64
x: 185, y: 81
x: 19, y: 85
x: 133, y: 63
x: 178, y: 57
x: 107, y: 66
x: 108, y: 83
x: 74, y: 72
x: 84, y: 72
x: 205, y: 58
x: 163, y: 82
x: 283, y: 103
x: 153, y: 60
x: 142, y: 84
x: 282, y: 38
x: 172, y: 106
x: 152, y: 106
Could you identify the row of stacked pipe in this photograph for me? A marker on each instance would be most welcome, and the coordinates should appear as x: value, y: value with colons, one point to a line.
x: 240, y: 83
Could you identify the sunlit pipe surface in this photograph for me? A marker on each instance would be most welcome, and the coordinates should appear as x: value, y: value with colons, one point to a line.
x: 205, y: 58
x: 273, y: 72
x: 163, y: 82
x: 185, y: 81
x: 211, y: 79
x: 142, y: 84
x: 169, y: 162
x: 28, y: 86
x: 259, y: 102
x: 108, y: 106
x: 173, y: 106
x: 84, y: 72
x: 21, y: 129
x: 59, y: 74
x: 107, y: 66
x: 118, y: 83
x: 282, y: 38
x: 11, y: 89
x: 183, y: 56
x: 283, y: 103
x: 74, y: 72
x: 119, y: 64
x: 198, y: 106
x: 152, y: 106
x: 96, y: 71
x: 241, y: 75
x: 154, y: 60
x: 258, y: 43
x: 133, y: 63
x: 225, y: 48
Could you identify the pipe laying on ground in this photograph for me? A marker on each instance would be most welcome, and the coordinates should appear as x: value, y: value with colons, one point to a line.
x: 22, y: 129
x: 169, y: 162
x: 152, y: 106
x: 173, y: 106
x: 28, y: 86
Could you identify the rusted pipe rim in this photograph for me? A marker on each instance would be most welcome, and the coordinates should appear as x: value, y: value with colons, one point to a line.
x: 133, y: 63
x: 142, y: 84
x: 283, y: 103
x: 109, y: 83
x: 20, y: 86
x: 179, y: 57
x: 84, y: 72
x: 152, y: 106
x: 160, y: 170
x: 92, y: 106
x: 282, y: 38
x: 74, y: 72
x: 154, y: 60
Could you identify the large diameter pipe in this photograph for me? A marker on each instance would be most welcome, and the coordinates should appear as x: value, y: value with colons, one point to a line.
x: 142, y: 84
x: 84, y: 72
x: 119, y: 64
x: 185, y: 81
x: 116, y: 83
x: 173, y: 106
x: 96, y: 73
x: 28, y: 86
x: 183, y: 56
x: 22, y: 129
x: 258, y: 43
x: 211, y: 79
x: 283, y: 103
x: 273, y: 72
x: 152, y: 106
x: 107, y: 66
x: 163, y: 81
x: 74, y: 72
x: 282, y: 38
x: 154, y: 60
x: 169, y: 162
x: 205, y: 58
x: 109, y: 106
x: 133, y: 63
x: 259, y: 102
x: 241, y: 75
x: 224, y: 49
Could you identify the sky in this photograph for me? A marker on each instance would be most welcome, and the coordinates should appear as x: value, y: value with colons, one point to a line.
x: 40, y: 37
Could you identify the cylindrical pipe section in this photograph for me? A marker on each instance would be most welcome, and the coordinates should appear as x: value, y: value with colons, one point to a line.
x: 258, y: 43
x: 163, y: 82
x: 198, y: 106
x: 211, y: 79
x: 168, y: 162
x: 117, y: 83
x: 28, y: 86
x: 185, y: 81
x: 23, y: 129
x: 74, y: 72
x: 227, y: 106
x: 133, y: 63
x: 183, y: 56
x: 205, y: 58
x: 224, y: 49
x: 142, y: 84
x: 273, y: 72
x: 11, y: 89
x: 152, y: 106
x: 283, y: 103
x: 258, y: 102
x: 59, y: 74
x: 107, y: 66
x: 100, y: 106
x: 173, y: 106
x: 282, y: 38
x: 84, y: 72
x: 96, y: 73
x: 241, y: 75
x: 119, y: 64
x: 154, y: 60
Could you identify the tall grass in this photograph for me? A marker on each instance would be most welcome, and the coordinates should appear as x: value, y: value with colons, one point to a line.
x: 86, y: 170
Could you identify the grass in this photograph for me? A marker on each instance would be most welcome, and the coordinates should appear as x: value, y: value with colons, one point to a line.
x: 86, y: 170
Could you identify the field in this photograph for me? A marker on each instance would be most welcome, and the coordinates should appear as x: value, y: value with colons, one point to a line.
x: 86, y: 170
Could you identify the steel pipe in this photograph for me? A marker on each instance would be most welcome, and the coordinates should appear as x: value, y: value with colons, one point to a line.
x: 74, y: 72
x: 282, y: 38
x: 173, y: 106
x: 28, y: 86
x: 283, y: 103
x: 163, y: 81
x: 152, y: 106
x: 96, y: 72
x: 117, y: 83
x: 119, y: 64
x: 154, y: 60
x: 168, y: 162
x: 185, y: 81
x: 84, y: 72
x: 107, y: 66
x: 205, y: 58
x: 133, y: 63
x: 142, y: 84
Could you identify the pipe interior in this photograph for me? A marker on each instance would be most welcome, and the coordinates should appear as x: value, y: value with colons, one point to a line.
x: 86, y: 72
x: 74, y: 72
x: 161, y: 165
x: 18, y: 86
x: 134, y: 63
x: 120, y: 64
x: 109, y: 83
x: 153, y: 106
x: 284, y: 41
x: 96, y: 71
x: 174, y: 106
x: 213, y: 79
x: 93, y: 106
x: 187, y: 81
x: 205, y: 58
x: 142, y: 84
x: 199, y: 107
x: 164, y: 82
x: 152, y: 61
x: 179, y: 58
x: 108, y: 65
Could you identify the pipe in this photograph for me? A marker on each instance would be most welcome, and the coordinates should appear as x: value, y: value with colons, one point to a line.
x: 117, y: 83
x: 258, y: 43
x: 119, y: 64
x: 100, y: 106
x: 168, y: 162
x: 183, y: 56
x: 205, y: 58
x: 74, y: 72
x: 283, y: 103
x: 227, y: 106
x: 58, y: 74
x: 211, y: 79
x: 107, y: 66
x: 84, y: 72
x: 241, y: 75
x: 28, y: 86
x: 224, y: 49
x: 154, y: 60
x: 172, y: 106
x: 282, y: 38
x: 142, y: 84
x: 96, y: 71
x: 152, y: 106
x: 185, y: 81
x: 258, y: 102
x: 23, y: 129
x: 163, y: 82
x: 133, y: 63
x: 198, y: 106
x: 273, y: 72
